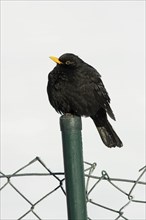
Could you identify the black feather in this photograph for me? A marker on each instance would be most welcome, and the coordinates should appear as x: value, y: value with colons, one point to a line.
x: 76, y: 87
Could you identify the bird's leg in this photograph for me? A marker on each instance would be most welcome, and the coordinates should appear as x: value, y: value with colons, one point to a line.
x: 68, y: 114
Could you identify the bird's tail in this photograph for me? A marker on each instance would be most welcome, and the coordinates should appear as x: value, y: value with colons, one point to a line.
x: 107, y: 133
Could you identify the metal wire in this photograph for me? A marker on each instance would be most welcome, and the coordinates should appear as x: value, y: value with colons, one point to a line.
x: 90, y: 188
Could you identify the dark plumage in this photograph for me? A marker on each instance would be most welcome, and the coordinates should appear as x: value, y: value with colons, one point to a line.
x: 76, y: 87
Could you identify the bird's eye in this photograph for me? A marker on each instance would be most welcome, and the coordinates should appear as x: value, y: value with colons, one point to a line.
x: 68, y: 62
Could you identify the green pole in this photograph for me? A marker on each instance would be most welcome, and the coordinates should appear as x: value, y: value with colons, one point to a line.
x: 73, y: 164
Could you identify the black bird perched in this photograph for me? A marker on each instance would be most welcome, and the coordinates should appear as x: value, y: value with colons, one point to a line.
x: 76, y: 87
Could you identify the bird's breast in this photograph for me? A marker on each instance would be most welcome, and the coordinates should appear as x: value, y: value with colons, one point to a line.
x: 72, y: 93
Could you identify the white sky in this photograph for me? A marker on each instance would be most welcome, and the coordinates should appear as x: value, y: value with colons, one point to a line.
x: 109, y: 35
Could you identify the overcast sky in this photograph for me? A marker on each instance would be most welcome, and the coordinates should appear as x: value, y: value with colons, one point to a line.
x: 108, y: 35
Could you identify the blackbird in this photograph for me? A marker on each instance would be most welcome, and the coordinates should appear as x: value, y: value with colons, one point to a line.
x: 75, y: 87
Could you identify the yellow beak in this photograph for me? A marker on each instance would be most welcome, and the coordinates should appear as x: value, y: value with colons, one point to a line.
x: 55, y: 59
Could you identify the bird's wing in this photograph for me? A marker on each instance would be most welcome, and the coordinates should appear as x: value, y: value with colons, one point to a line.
x: 100, y: 91
x: 102, y: 96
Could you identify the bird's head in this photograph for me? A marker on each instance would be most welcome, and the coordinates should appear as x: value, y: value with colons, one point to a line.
x: 67, y: 60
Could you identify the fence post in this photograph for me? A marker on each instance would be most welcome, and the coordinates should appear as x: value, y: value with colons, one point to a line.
x: 73, y: 164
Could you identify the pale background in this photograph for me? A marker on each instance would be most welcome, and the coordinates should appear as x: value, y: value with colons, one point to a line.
x: 109, y: 35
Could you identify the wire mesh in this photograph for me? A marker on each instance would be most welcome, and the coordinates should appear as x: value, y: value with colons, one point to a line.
x: 93, y: 191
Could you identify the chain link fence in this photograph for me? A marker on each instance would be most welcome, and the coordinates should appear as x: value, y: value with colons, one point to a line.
x: 112, y: 201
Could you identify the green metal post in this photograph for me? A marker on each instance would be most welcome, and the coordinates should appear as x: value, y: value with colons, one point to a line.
x: 73, y: 164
